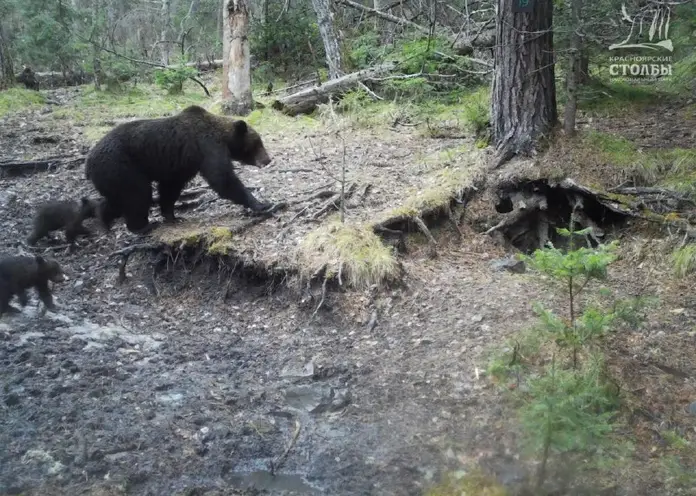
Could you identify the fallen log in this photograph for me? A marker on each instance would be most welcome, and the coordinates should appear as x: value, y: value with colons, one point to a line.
x: 305, y: 101
x: 13, y: 169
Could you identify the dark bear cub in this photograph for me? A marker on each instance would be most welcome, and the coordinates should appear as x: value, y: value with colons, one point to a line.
x: 64, y: 214
x: 19, y: 273
x: 170, y: 152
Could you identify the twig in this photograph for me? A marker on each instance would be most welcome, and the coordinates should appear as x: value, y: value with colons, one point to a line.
x: 275, y: 465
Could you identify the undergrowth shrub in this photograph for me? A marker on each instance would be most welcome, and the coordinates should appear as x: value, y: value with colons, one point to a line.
x: 568, y: 405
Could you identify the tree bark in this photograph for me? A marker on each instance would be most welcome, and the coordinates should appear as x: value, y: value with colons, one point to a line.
x: 7, y: 76
x: 573, y: 74
x: 236, y: 81
x: 524, y: 90
x: 165, y: 45
x: 329, y: 37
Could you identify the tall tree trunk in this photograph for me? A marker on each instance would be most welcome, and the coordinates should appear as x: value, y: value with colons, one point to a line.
x: 584, y: 67
x: 573, y: 74
x: 236, y: 79
x: 524, y: 90
x: 165, y: 45
x: 329, y: 37
x: 7, y: 77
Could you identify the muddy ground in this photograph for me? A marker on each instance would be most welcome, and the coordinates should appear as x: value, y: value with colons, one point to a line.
x: 126, y: 390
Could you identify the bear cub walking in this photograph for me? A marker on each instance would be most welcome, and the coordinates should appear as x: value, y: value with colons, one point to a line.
x: 66, y: 215
x: 19, y: 273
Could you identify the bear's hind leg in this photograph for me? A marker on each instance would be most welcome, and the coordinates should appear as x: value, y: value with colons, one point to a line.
x: 169, y: 192
x: 137, y: 209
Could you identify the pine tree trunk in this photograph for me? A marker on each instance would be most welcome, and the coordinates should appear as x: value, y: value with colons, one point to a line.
x: 524, y: 90
x: 573, y: 75
x: 7, y: 77
x: 329, y: 37
x: 236, y: 82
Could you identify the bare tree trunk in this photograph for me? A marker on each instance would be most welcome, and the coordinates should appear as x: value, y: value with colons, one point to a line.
x: 165, y: 45
x: 7, y: 76
x: 524, y: 90
x: 329, y: 37
x: 584, y: 68
x: 236, y: 79
x: 573, y: 74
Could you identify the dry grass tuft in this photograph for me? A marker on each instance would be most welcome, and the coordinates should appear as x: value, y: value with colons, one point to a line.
x: 352, y: 252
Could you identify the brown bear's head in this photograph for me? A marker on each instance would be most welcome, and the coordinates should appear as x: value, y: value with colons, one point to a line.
x: 50, y: 269
x: 88, y: 208
x: 246, y: 145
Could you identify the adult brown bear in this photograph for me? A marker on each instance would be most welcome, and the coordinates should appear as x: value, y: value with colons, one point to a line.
x: 171, y: 151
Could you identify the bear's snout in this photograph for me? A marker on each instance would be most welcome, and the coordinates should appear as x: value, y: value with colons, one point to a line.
x: 262, y: 160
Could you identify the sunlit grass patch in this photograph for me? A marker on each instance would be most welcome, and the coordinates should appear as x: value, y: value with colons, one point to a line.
x: 353, y: 251
x: 684, y: 260
x: 14, y: 99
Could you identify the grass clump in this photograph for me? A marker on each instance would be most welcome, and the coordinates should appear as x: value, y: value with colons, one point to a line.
x: 14, y: 99
x: 474, y: 483
x: 684, y: 260
x: 215, y: 240
x: 352, y: 252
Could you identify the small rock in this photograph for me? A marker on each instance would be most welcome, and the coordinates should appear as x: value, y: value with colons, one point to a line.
x: 477, y: 318
x: 510, y: 264
x: 313, y: 398
x: 298, y: 370
x: 692, y: 408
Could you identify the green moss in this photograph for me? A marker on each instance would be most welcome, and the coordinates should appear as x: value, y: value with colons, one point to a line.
x: 15, y: 99
x: 444, y: 185
x: 219, y: 240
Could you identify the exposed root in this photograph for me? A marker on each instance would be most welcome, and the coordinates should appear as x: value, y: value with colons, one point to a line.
x: 424, y: 229
x: 125, y: 254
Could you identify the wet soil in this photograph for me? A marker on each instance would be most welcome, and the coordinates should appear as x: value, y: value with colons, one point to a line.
x: 181, y: 391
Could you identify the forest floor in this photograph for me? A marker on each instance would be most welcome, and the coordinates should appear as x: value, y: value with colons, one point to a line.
x: 200, y: 382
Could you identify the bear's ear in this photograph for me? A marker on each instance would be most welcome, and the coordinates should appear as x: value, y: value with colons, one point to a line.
x: 240, y: 127
x: 40, y: 260
x: 84, y: 200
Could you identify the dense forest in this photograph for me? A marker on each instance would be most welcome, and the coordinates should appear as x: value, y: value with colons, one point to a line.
x: 347, y: 247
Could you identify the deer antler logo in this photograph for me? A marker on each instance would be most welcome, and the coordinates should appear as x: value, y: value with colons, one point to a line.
x: 658, y: 14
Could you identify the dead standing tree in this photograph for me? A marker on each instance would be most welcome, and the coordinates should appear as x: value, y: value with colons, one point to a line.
x: 236, y: 73
x: 329, y: 37
x: 524, y: 90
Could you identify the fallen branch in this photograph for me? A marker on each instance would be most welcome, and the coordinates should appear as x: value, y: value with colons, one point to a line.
x: 332, y: 203
x: 13, y: 169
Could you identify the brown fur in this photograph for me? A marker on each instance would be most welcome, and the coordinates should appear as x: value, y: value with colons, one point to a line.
x: 65, y: 215
x: 171, y: 151
x: 19, y: 273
